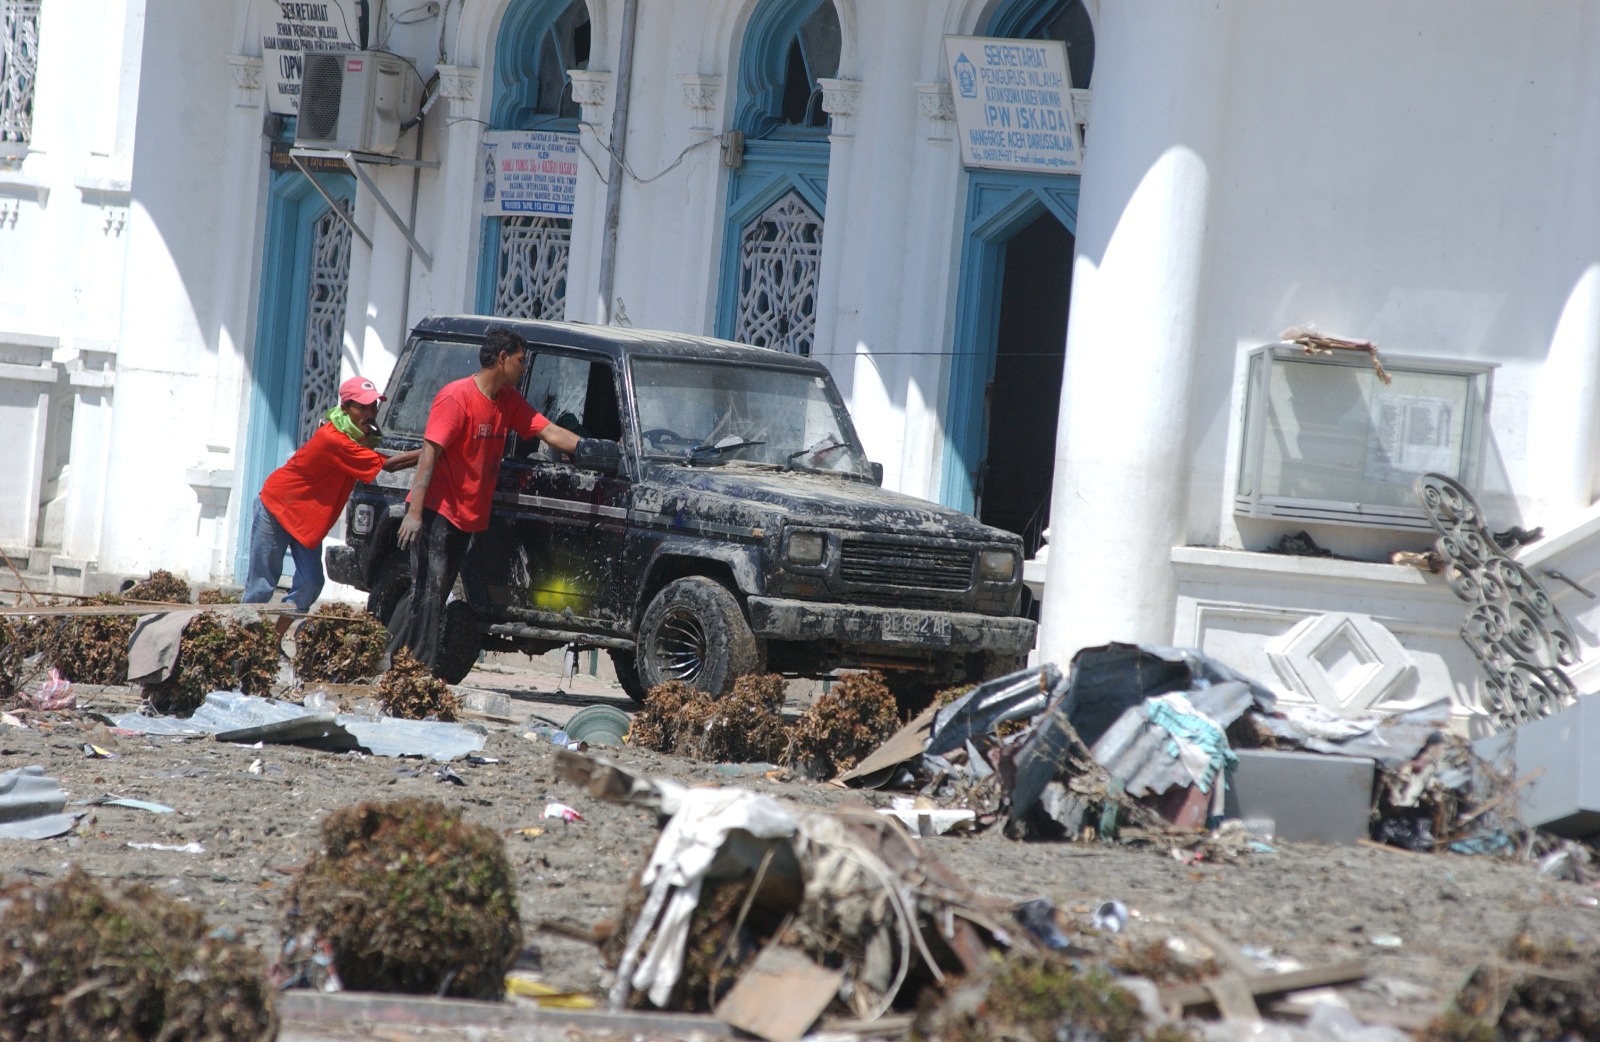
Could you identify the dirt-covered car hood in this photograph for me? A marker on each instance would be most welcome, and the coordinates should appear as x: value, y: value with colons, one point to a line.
x: 746, y: 495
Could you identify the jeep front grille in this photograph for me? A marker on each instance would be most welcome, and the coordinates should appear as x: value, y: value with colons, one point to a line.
x: 901, y: 564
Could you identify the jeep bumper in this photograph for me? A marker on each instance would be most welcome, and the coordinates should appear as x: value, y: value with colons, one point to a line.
x: 344, y: 565
x: 890, y: 628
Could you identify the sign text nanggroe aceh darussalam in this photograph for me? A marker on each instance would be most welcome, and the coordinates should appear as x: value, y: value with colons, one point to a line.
x: 1013, y: 104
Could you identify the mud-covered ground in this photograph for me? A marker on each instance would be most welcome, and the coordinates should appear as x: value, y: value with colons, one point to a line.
x: 1418, y: 922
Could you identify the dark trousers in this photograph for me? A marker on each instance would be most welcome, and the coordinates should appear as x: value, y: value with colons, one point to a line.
x: 436, y: 556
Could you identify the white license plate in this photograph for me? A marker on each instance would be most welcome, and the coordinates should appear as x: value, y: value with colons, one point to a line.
x: 904, y: 626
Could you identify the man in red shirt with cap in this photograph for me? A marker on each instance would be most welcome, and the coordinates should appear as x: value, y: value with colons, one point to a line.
x: 454, y: 485
x: 301, y: 500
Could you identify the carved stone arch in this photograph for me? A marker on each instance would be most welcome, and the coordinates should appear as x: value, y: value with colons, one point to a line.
x: 725, y: 35
x: 971, y: 17
x: 478, y: 28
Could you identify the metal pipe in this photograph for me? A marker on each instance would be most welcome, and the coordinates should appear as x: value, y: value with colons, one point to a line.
x: 619, y: 136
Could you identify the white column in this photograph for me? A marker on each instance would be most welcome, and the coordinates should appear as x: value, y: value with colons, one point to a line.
x: 1121, y: 472
x: 448, y: 211
x: 591, y: 89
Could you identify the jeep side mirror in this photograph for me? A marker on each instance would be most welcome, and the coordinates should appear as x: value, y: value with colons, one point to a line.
x: 877, y: 473
x: 598, y: 454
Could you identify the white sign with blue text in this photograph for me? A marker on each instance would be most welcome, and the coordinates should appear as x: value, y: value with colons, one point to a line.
x: 1013, y: 102
x: 529, y: 173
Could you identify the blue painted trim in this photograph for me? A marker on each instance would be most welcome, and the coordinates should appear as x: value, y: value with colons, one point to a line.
x: 1023, y: 19
x: 293, y: 208
x: 763, y: 62
x: 998, y: 206
x: 770, y: 170
x: 516, y: 74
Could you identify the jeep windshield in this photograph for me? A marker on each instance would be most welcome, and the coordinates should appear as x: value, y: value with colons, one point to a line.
x: 430, y: 365
x: 717, y: 412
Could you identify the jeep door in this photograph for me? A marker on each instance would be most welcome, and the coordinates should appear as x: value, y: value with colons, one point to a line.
x: 557, y: 535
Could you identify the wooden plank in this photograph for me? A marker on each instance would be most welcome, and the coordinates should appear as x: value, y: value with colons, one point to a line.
x: 780, y: 996
x: 1184, y: 996
x: 1231, y: 995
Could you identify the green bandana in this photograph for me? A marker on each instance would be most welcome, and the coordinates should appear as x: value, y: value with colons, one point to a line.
x: 341, y: 420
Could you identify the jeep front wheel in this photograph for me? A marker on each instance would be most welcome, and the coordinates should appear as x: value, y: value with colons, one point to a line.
x: 695, y: 631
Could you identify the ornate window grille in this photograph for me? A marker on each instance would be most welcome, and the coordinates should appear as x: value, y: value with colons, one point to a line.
x: 780, y: 254
x: 325, y: 300
x: 19, y: 66
x: 532, y: 280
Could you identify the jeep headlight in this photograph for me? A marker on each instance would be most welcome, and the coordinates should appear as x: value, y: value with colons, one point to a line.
x: 997, y: 566
x: 805, y: 548
x: 361, y: 519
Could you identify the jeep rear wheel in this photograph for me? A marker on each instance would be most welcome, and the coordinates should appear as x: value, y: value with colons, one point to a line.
x: 695, y: 631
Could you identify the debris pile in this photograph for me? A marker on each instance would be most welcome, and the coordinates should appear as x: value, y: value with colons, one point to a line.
x: 754, y: 909
x: 216, y: 595
x: 339, y: 644
x: 405, y: 897
x: 409, y: 691
x: 219, y: 651
x: 1531, y: 993
x: 1162, y: 739
x: 77, y: 963
x: 660, y: 725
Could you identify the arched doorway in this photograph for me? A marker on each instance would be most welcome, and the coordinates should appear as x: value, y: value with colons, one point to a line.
x: 1013, y: 290
x: 294, y: 373
x: 777, y: 195
x: 522, y: 263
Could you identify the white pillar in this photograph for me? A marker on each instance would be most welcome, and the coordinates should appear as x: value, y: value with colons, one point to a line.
x: 1121, y: 472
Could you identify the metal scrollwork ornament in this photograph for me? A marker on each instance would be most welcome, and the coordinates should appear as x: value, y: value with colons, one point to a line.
x: 1514, y: 629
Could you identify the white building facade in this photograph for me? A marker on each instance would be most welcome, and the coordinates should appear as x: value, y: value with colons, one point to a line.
x: 1074, y: 352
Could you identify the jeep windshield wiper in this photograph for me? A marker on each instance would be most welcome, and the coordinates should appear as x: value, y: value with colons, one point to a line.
x: 788, y: 462
x: 705, y: 451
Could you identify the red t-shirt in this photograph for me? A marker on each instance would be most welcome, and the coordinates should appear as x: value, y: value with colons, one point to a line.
x: 471, y: 430
x: 307, y: 493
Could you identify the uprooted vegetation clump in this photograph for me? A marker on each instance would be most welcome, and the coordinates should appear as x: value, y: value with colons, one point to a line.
x: 218, y: 652
x: 160, y: 586
x: 745, y: 726
x: 11, y: 656
x: 1040, y: 999
x: 655, y: 727
x: 408, y: 690
x: 410, y: 898
x: 77, y: 963
x: 339, y: 644
x: 215, y: 595
x: 844, y: 724
x: 86, y: 649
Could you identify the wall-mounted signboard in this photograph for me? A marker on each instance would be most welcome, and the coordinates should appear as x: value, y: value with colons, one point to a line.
x: 290, y: 28
x: 529, y: 172
x: 1013, y: 102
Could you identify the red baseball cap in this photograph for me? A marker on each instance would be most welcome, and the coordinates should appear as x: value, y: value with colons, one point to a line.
x: 360, y: 390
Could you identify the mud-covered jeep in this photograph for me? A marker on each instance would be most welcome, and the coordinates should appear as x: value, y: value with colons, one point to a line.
x: 719, y: 517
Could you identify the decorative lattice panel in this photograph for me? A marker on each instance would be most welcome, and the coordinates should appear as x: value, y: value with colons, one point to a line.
x: 325, y: 299
x: 532, y: 279
x: 1518, y: 634
x: 19, y: 64
x: 780, y: 255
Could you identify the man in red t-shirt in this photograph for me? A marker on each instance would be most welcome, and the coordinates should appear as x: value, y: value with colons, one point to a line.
x: 454, y: 485
x: 301, y: 500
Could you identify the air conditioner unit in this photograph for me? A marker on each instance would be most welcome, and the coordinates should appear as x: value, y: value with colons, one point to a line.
x: 356, y: 101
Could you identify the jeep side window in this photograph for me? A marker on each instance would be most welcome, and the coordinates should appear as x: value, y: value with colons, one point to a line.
x: 432, y: 364
x: 579, y: 394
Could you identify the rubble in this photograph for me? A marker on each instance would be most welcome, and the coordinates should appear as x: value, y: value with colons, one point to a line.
x: 406, y: 896
x: 78, y: 963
